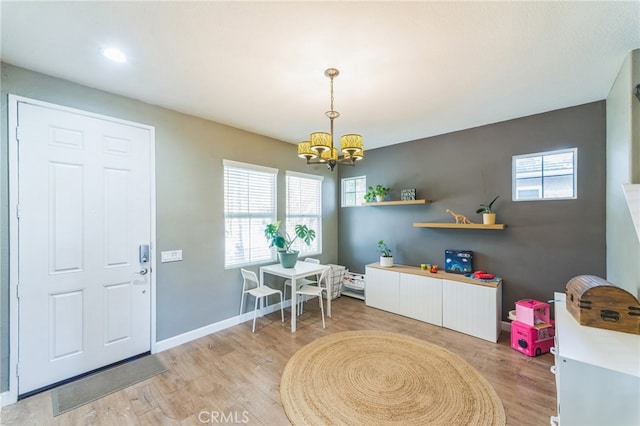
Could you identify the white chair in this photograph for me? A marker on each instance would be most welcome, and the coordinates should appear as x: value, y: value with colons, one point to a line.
x: 301, y: 281
x: 309, y: 290
x: 251, y: 285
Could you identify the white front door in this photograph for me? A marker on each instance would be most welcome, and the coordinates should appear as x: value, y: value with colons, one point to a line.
x: 84, y: 210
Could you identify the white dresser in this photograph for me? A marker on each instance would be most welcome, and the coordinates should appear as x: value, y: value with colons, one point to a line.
x: 597, y: 373
x: 447, y: 300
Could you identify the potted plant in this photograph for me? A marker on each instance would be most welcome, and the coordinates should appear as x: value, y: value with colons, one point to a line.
x: 488, y: 216
x: 378, y: 193
x: 386, y: 259
x: 283, y: 241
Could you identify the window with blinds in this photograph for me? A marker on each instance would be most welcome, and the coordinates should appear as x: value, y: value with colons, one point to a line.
x: 249, y: 206
x: 545, y: 175
x: 304, y: 206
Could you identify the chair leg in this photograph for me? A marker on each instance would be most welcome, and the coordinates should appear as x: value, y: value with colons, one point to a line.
x: 242, y: 302
x: 321, y: 310
x: 255, y: 311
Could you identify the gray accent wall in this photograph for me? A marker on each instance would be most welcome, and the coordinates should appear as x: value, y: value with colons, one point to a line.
x: 623, y: 166
x: 197, y: 291
x: 545, y: 243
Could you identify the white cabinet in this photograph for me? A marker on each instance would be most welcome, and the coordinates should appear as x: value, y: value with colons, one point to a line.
x: 597, y: 373
x: 382, y: 289
x: 446, y: 300
x: 472, y: 309
x: 421, y: 298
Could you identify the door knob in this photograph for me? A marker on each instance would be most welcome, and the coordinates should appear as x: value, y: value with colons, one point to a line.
x: 143, y: 271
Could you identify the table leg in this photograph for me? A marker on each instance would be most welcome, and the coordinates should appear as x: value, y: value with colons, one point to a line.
x: 329, y: 292
x: 294, y: 305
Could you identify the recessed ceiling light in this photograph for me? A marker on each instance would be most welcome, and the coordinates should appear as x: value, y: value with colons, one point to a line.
x: 114, y: 54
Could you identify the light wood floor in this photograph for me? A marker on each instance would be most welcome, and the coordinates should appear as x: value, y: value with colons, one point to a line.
x: 235, y: 374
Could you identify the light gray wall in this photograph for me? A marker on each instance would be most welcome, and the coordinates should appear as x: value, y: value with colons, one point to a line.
x: 623, y: 166
x: 197, y: 291
x: 545, y: 244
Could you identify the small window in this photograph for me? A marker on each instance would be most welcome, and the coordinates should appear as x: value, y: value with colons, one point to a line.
x: 353, y: 190
x: 304, y: 206
x: 249, y: 205
x: 545, y: 175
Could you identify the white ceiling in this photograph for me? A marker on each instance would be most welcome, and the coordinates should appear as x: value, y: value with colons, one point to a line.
x: 408, y: 70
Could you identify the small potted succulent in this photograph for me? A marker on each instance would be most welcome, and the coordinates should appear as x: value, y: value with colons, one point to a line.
x: 376, y: 194
x: 283, y: 241
x: 488, y: 215
x: 386, y: 259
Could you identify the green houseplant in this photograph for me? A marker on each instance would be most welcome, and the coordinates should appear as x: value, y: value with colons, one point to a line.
x: 386, y: 259
x: 488, y: 215
x: 283, y: 241
x: 376, y: 194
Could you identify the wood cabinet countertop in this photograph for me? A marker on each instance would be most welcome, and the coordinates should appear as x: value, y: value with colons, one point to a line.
x: 415, y: 270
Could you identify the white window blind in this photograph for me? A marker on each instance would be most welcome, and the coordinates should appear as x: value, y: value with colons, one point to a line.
x: 304, y: 206
x: 249, y: 205
x: 545, y: 175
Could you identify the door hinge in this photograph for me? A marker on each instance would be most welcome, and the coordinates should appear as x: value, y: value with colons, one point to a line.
x: 18, y: 133
x: 17, y: 211
x: 18, y: 370
x: 18, y: 291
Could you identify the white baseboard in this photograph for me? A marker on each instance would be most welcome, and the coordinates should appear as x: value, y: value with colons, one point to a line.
x: 7, y: 398
x: 506, y: 326
x: 187, y: 337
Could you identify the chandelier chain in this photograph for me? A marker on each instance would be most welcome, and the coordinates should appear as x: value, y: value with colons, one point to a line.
x: 331, y: 94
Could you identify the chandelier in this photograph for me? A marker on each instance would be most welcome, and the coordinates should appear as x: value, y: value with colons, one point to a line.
x: 319, y: 148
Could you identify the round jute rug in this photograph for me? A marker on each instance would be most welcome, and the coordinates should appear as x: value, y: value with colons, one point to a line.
x: 376, y: 377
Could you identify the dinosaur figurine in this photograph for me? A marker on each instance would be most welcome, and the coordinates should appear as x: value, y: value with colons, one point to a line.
x: 459, y: 217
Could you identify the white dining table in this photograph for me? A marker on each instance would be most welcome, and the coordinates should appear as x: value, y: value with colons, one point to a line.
x: 300, y: 270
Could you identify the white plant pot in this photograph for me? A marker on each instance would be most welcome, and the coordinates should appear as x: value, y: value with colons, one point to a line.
x: 489, y: 218
x: 379, y: 198
x: 386, y: 262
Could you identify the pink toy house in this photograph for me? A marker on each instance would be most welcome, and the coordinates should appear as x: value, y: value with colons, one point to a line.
x: 532, y: 312
x: 532, y: 340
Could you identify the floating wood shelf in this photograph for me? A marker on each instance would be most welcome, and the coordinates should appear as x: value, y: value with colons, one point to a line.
x: 396, y: 203
x: 458, y: 225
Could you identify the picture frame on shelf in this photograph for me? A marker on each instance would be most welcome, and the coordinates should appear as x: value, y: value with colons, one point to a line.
x: 408, y: 194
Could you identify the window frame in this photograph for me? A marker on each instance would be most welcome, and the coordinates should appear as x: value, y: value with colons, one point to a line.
x: 542, y: 155
x: 270, y: 216
x: 342, y: 191
x: 293, y: 219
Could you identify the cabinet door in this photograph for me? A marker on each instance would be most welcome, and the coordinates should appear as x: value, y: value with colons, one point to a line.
x: 590, y: 395
x: 421, y: 298
x: 382, y: 289
x: 472, y: 309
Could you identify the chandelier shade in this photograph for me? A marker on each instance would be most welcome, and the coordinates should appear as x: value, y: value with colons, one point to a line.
x: 320, y: 141
x: 351, y: 143
x: 329, y: 155
x: 356, y: 156
x: 305, y: 151
x: 319, y: 149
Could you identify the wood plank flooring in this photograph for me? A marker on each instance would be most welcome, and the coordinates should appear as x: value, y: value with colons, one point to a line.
x: 233, y: 376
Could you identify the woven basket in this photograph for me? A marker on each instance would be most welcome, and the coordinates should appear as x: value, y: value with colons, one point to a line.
x: 335, y: 278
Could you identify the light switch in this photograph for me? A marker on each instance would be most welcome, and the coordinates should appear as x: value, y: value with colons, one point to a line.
x: 171, y: 256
